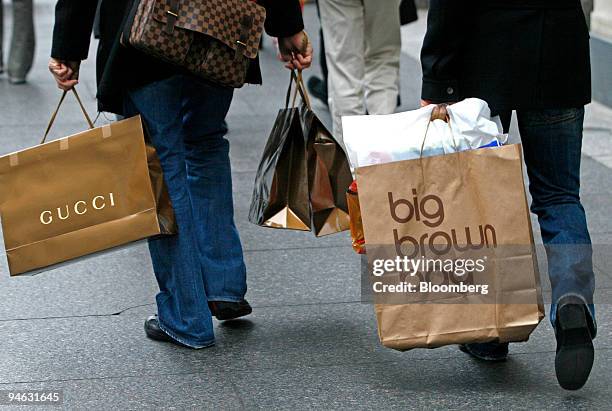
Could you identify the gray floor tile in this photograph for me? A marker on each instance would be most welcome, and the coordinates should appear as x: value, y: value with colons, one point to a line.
x: 97, y: 285
x: 597, y: 207
x: 595, y: 177
x: 602, y: 252
x: 273, y: 337
x: 458, y: 383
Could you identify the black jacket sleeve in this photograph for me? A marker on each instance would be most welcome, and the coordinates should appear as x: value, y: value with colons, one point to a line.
x: 283, y: 17
x: 447, y: 24
x: 72, y: 30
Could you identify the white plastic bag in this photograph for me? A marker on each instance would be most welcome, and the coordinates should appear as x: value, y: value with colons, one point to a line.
x: 378, y: 139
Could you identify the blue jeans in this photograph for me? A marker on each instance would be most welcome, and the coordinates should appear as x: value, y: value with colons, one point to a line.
x: 185, y: 120
x: 552, y: 145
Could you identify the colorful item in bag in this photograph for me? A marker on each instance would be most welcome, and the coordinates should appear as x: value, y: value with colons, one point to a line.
x: 494, y: 143
x: 356, y: 224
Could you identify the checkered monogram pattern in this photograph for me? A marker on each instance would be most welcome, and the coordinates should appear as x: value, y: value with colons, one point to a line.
x: 214, y: 39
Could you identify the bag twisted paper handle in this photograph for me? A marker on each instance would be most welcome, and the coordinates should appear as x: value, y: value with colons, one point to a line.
x: 303, y: 89
x: 440, y: 112
x: 292, y: 78
x: 299, y: 88
x: 54, y: 115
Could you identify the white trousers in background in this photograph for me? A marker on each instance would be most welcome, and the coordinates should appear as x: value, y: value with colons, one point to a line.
x: 362, y: 49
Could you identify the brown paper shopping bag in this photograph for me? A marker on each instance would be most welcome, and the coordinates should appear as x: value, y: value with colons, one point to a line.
x: 81, y: 194
x: 446, y: 208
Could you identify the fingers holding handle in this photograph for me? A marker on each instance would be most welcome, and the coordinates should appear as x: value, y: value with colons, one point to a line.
x: 296, y: 51
x: 65, y: 73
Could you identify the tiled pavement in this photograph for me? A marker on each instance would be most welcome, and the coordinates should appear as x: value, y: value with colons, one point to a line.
x: 309, y: 342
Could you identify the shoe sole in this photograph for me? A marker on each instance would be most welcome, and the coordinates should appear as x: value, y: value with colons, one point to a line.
x: 464, y: 349
x: 574, y: 359
x: 224, y: 315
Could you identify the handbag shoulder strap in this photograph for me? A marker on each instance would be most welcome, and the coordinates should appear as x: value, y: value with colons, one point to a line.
x: 172, y: 16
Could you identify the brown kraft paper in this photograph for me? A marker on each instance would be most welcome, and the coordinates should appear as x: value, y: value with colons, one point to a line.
x: 478, y: 188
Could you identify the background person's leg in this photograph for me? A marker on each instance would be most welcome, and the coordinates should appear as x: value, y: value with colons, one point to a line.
x: 552, y: 144
x: 342, y: 22
x: 382, y: 55
x: 1, y: 37
x: 181, y: 303
x: 317, y: 87
x: 210, y: 188
x: 322, y: 59
x: 22, y: 41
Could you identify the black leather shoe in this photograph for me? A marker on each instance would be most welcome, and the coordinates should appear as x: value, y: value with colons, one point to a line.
x: 225, y: 310
x: 492, y: 352
x: 151, y: 327
x: 317, y: 88
x: 574, y: 331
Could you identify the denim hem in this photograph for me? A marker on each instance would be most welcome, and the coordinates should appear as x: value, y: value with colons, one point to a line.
x: 225, y: 299
x: 182, y: 341
x: 590, y: 309
x: 572, y: 295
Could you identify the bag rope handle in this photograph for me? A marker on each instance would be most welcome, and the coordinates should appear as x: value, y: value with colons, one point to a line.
x: 299, y: 88
x: 440, y: 112
x: 303, y: 89
x: 54, y: 115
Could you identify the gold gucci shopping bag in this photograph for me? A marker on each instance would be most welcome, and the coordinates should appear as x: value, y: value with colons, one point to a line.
x: 462, y: 222
x: 78, y: 195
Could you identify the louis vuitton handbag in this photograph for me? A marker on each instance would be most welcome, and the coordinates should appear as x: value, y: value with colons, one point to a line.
x: 79, y: 195
x: 213, y: 39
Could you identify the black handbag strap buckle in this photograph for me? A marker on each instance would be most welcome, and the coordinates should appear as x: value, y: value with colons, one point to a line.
x: 246, y: 22
x: 172, y: 16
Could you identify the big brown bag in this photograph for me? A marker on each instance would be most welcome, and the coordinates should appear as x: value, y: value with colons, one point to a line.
x: 476, y: 188
x: 81, y: 194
